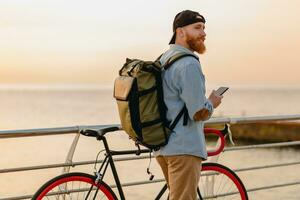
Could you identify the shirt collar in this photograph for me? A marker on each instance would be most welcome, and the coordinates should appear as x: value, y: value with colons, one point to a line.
x: 182, y: 48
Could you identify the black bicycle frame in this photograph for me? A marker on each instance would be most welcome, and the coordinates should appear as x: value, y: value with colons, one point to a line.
x: 108, y: 160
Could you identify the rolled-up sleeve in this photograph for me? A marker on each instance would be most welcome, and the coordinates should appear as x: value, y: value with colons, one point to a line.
x: 192, y: 90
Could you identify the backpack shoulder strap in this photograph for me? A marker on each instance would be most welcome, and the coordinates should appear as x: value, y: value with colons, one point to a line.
x: 158, y: 58
x: 184, y: 113
x: 176, y: 57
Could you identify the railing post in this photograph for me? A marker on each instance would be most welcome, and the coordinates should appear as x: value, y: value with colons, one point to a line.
x: 70, y: 155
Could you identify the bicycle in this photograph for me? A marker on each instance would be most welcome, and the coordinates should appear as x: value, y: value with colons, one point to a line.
x: 216, y: 182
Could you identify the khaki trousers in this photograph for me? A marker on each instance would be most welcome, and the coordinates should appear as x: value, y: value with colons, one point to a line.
x: 182, y: 174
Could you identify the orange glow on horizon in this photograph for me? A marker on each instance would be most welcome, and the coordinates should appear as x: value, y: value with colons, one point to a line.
x: 76, y: 42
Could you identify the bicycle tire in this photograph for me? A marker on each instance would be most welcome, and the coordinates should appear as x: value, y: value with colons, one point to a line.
x: 74, y: 186
x: 220, y: 182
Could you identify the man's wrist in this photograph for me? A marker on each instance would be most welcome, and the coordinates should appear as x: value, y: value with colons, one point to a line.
x: 210, y: 105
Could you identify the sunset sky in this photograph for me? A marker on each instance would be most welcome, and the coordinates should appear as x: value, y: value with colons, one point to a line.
x: 253, y: 42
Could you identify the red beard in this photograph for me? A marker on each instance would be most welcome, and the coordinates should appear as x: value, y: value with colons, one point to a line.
x: 196, y: 44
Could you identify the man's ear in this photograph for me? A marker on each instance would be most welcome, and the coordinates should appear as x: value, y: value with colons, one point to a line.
x: 180, y: 32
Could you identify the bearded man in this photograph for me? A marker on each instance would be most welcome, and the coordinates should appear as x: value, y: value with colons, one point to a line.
x: 184, y: 85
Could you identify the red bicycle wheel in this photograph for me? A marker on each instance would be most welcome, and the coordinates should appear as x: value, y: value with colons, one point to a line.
x: 220, y: 182
x: 74, y: 186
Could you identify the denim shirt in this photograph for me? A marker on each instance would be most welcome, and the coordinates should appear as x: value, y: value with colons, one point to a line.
x: 184, y: 83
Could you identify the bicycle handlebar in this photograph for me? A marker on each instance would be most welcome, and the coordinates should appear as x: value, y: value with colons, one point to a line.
x: 221, y: 134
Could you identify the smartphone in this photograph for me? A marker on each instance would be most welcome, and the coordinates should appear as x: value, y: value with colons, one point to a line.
x: 221, y: 90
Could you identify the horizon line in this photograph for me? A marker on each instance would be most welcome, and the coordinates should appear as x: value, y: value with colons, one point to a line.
x: 101, y: 86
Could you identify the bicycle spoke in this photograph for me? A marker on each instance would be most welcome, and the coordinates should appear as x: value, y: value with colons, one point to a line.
x: 221, y: 185
x: 79, y: 187
x: 218, y: 182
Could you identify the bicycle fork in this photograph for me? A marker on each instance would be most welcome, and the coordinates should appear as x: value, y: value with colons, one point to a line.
x: 108, y: 160
x: 99, y: 177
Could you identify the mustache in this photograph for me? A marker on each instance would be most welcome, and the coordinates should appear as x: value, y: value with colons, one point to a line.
x: 202, y: 38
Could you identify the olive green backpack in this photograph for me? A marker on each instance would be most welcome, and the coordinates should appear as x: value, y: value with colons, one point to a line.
x: 139, y: 94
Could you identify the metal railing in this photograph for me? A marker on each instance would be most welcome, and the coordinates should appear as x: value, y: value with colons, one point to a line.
x: 75, y: 129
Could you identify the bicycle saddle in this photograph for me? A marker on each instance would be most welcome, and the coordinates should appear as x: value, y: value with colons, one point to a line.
x: 99, y: 132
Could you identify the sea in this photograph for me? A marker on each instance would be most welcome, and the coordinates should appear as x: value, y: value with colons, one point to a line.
x: 30, y: 107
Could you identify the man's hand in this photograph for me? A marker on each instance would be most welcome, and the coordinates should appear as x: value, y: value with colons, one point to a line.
x: 215, y: 99
x: 203, y: 114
